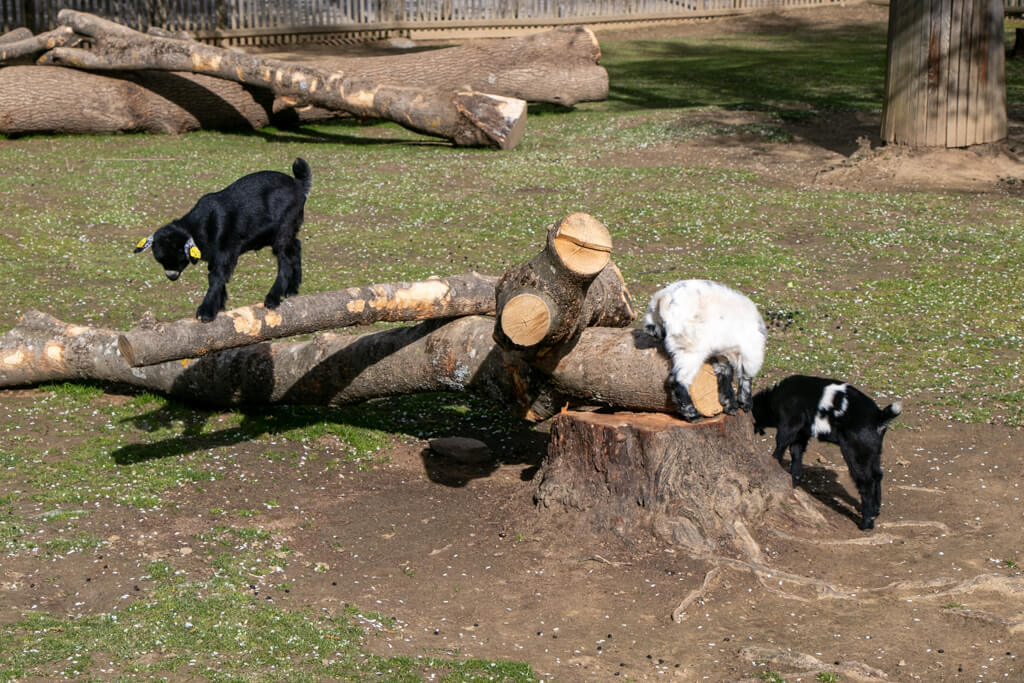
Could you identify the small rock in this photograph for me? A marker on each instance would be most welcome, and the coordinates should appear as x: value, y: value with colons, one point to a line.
x: 465, y: 450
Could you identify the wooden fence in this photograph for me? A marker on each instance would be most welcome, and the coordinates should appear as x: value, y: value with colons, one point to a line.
x: 255, y: 22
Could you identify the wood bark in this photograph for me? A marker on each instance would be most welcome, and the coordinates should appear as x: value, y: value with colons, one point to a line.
x: 37, y: 99
x: 466, y: 117
x: 560, y: 66
x: 458, y: 295
x: 945, y: 74
x: 16, y: 45
x: 541, y: 304
x: 704, y: 486
x: 621, y: 368
x: 20, y: 33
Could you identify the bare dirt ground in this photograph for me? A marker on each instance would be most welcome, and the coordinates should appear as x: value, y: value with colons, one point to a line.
x: 466, y: 563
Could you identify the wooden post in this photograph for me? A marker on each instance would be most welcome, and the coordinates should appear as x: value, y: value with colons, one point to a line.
x: 945, y: 74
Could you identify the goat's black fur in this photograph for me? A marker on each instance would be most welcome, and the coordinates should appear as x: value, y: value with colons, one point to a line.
x: 263, y: 209
x: 800, y: 407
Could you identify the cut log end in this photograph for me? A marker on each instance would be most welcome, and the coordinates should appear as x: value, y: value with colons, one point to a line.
x: 583, y: 243
x: 704, y: 392
x: 491, y: 120
x: 526, y: 319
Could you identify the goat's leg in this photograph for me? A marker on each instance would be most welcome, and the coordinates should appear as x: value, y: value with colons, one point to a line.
x: 221, y: 270
x: 289, y: 273
x: 796, y: 460
x: 684, y: 403
x: 744, y: 397
x: 293, y: 285
x: 876, y: 491
x: 726, y: 395
x: 866, y: 489
x: 782, y: 442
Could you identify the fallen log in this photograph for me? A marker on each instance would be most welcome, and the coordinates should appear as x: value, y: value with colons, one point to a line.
x: 466, y: 117
x: 622, y: 368
x: 16, y: 45
x: 37, y: 99
x: 560, y: 66
x: 459, y: 295
x: 20, y: 33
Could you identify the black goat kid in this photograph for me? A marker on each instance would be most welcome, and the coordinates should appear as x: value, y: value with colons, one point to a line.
x: 263, y: 209
x: 800, y: 407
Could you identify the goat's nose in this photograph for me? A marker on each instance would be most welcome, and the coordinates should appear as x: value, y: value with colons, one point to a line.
x: 172, y: 274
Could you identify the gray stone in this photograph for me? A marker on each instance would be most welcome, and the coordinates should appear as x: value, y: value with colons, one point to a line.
x: 463, y: 449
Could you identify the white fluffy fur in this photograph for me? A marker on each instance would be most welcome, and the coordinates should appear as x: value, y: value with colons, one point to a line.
x: 700, y: 319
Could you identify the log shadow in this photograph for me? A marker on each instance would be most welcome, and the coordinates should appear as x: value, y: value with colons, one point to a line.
x: 822, y: 484
x: 442, y: 412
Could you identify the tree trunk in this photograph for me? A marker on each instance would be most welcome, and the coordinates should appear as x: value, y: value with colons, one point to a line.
x: 620, y: 368
x: 561, y: 66
x: 36, y: 99
x: 541, y: 303
x: 466, y: 117
x: 459, y: 295
x: 945, y: 83
x: 701, y: 486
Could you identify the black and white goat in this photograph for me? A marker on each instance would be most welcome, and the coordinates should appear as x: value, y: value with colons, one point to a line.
x: 263, y: 209
x: 699, y: 320
x: 800, y: 407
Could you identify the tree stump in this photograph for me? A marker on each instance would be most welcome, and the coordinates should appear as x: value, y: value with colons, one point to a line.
x: 703, y: 486
x: 945, y: 82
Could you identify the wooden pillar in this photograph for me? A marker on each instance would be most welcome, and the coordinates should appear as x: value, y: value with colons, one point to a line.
x: 945, y: 73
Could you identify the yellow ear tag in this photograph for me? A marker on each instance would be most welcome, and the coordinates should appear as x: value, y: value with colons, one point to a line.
x: 141, y: 243
x: 195, y: 253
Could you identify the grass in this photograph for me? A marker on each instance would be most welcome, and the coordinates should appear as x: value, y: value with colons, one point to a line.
x: 906, y: 294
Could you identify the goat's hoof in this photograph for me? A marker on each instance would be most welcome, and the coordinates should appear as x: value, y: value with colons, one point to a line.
x: 204, y: 316
x: 272, y: 302
x: 729, y: 408
x: 867, y: 524
x: 689, y: 414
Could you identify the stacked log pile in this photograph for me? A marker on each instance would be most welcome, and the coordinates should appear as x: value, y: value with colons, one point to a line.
x: 104, y: 77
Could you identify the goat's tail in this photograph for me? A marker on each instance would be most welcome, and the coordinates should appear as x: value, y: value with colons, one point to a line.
x: 302, y: 173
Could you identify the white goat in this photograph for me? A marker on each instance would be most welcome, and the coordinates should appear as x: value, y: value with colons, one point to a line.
x: 699, y: 320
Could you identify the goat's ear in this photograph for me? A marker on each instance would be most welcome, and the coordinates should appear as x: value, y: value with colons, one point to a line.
x: 143, y: 244
x: 888, y: 414
x: 192, y: 251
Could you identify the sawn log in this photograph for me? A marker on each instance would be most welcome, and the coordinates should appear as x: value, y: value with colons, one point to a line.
x: 448, y: 297
x: 466, y: 117
x: 622, y: 368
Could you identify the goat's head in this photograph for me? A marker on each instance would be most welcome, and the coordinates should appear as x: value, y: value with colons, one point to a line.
x: 173, y: 248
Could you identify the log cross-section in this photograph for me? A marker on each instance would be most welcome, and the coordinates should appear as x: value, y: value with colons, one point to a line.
x: 542, y: 304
